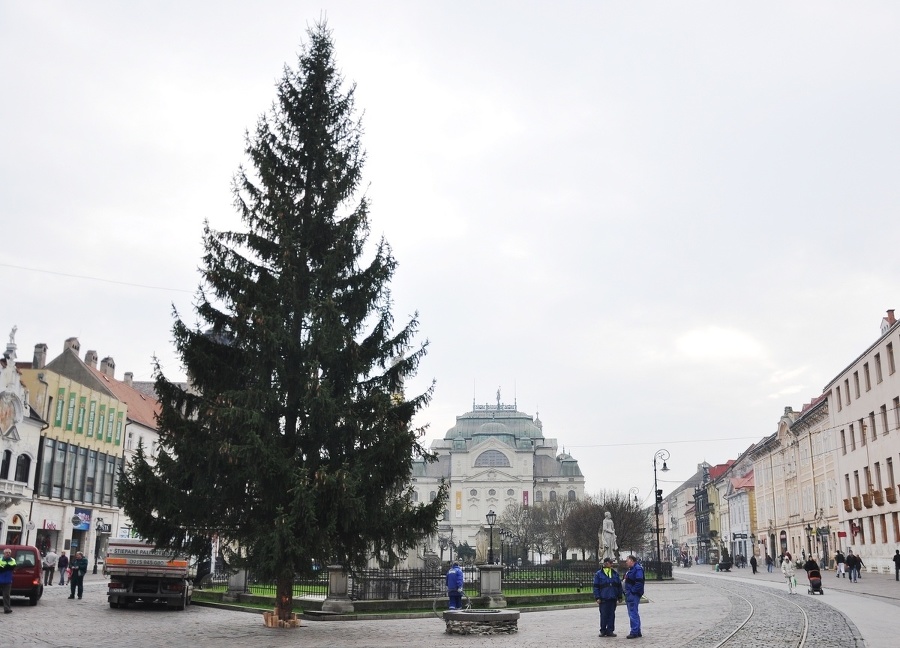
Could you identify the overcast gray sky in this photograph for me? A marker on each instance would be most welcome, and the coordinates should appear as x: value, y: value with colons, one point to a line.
x: 655, y: 223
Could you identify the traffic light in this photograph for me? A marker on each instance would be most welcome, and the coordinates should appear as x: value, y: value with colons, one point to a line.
x: 659, y: 496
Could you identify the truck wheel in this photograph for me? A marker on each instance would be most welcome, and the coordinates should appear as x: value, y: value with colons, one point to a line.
x: 113, y: 605
x: 33, y: 599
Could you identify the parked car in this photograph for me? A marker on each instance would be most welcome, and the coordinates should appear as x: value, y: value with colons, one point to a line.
x: 28, y: 574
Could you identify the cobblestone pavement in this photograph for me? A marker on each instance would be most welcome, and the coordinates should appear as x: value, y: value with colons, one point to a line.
x: 680, y: 613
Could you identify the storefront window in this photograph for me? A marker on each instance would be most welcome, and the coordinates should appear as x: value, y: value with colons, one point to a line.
x: 89, y: 476
x: 46, y: 466
x: 59, y: 464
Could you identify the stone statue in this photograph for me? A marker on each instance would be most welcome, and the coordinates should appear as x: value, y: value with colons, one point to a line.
x: 12, y: 335
x: 608, y: 546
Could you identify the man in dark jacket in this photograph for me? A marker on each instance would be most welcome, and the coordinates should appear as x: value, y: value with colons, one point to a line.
x: 634, y: 590
x: 852, y: 563
x: 753, y: 563
x: 79, y: 567
x: 62, y: 564
x: 839, y: 564
x: 607, y: 592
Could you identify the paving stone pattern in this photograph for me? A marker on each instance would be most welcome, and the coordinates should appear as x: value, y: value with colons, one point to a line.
x: 680, y: 613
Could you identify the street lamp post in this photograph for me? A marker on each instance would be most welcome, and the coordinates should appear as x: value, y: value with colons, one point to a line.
x: 662, y: 455
x: 633, y: 495
x: 98, y: 525
x: 491, y: 517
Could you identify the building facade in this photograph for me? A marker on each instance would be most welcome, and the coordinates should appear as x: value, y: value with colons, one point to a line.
x: 92, y: 419
x: 20, y: 438
x: 493, y: 457
x: 864, y: 412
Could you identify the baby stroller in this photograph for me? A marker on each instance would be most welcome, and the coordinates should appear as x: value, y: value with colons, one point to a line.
x: 815, y: 582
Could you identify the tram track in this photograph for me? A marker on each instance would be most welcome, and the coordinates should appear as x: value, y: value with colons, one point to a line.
x: 764, y: 617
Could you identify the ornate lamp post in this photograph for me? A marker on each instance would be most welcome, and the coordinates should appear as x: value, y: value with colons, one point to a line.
x: 633, y: 495
x: 98, y: 527
x: 662, y: 455
x: 491, y: 518
x: 823, y: 530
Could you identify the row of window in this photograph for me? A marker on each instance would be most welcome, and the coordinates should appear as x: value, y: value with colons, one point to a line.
x: 872, y: 476
x: 874, y: 530
x: 23, y: 467
x: 865, y: 429
x: 844, y: 398
x: 71, y: 472
x: 538, y: 495
x: 74, y: 413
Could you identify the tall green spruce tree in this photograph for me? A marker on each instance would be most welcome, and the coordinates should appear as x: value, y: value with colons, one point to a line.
x: 294, y: 443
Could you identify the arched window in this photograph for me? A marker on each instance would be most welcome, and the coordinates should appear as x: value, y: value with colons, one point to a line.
x: 571, y: 496
x: 23, y: 468
x: 432, y: 495
x: 415, y: 496
x: 539, y: 496
x: 492, y: 458
x: 552, y: 496
x: 4, y: 467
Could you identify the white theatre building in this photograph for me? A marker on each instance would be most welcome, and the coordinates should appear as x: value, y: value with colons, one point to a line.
x: 494, y: 456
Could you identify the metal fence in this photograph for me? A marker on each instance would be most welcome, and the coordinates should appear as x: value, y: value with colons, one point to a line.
x: 387, y: 584
x: 548, y: 579
x: 398, y: 584
x: 314, y: 586
x: 656, y: 570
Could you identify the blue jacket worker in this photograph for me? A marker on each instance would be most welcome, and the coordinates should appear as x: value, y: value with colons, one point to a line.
x: 7, y: 565
x: 455, y: 586
x: 607, y: 592
x: 634, y: 590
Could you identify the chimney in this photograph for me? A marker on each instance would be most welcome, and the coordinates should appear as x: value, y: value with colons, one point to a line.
x: 72, y: 343
x: 129, y: 378
x: 890, y: 317
x: 40, y: 356
x: 108, y: 367
x: 90, y: 359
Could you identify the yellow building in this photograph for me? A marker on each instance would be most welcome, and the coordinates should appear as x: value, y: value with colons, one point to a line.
x: 81, y: 452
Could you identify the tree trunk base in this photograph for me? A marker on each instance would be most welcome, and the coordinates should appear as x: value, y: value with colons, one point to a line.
x: 271, y: 620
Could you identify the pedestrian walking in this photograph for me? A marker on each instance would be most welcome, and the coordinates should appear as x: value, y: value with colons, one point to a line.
x: 79, y: 567
x: 770, y: 564
x: 840, y: 562
x: 607, y: 592
x: 852, y: 563
x: 454, y: 586
x: 897, y: 564
x: 62, y: 564
x: 7, y: 565
x: 634, y: 590
x: 753, y: 563
x: 50, y: 561
x: 787, y: 569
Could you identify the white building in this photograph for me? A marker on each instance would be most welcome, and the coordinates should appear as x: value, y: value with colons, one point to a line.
x: 864, y: 410
x: 495, y: 456
x: 20, y: 438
